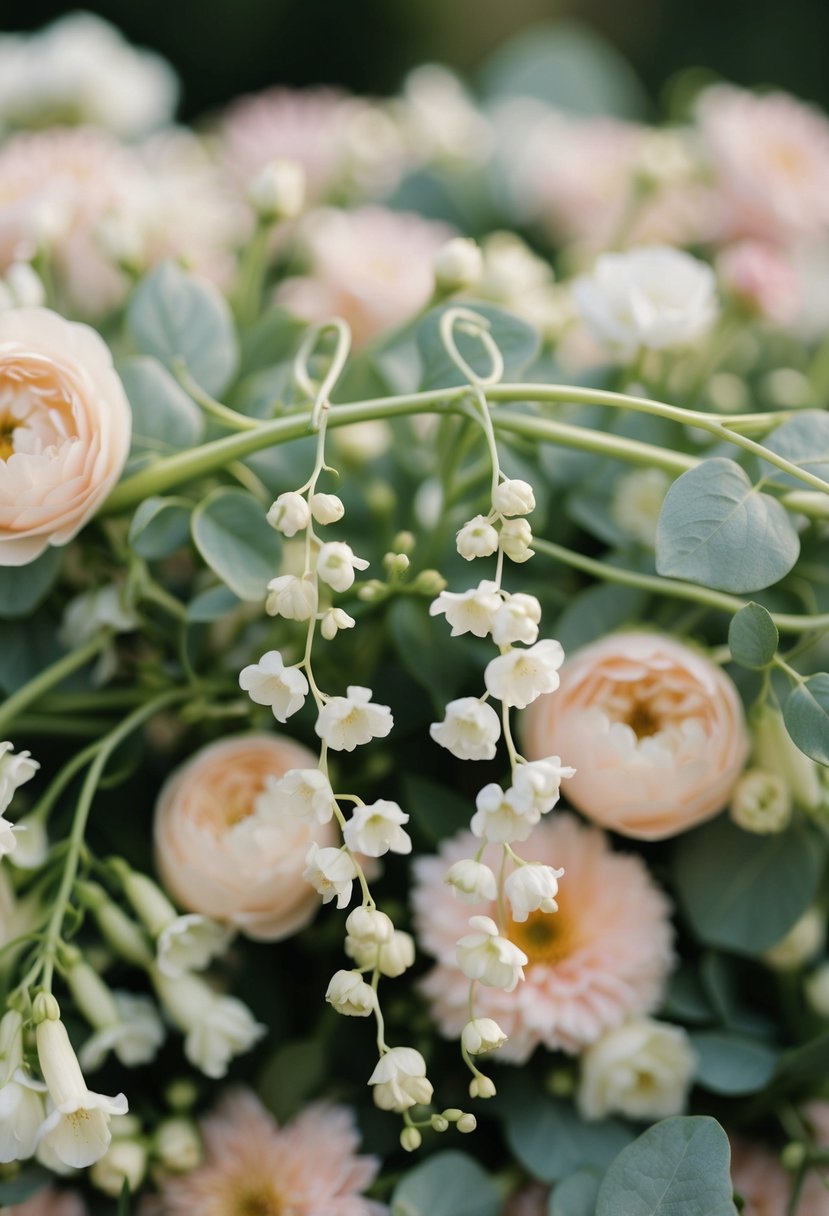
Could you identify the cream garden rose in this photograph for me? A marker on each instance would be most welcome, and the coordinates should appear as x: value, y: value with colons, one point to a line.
x: 654, y: 729
x: 221, y: 849
x: 65, y: 426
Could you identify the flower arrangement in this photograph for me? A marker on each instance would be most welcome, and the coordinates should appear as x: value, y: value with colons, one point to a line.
x: 415, y: 618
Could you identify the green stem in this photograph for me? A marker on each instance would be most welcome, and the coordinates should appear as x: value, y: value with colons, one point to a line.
x: 75, y: 728
x: 786, y: 622
x: 51, y: 676
x: 222, y: 413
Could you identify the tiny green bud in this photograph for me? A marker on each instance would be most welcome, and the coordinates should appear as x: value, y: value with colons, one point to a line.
x: 467, y: 1123
x: 452, y: 1113
x: 45, y: 1008
x: 793, y: 1156
x: 404, y: 542
x: 561, y: 1083
x: 439, y: 1123
x: 411, y: 1139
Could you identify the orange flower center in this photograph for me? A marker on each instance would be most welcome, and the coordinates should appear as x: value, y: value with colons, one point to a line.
x: 642, y: 721
x: 545, y: 937
x: 7, y: 429
x: 258, y: 1203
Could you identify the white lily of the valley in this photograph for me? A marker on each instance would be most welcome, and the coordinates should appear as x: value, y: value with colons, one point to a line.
x: 515, y: 539
x: 485, y: 955
x: 336, y: 563
x: 470, y: 730
x: 377, y: 828
x: 540, y: 780
x: 503, y: 815
x: 399, y: 1080
x: 331, y: 872
x: 76, y: 1129
x: 304, y: 793
x: 349, y: 994
x: 293, y: 598
x: 517, y: 620
x: 346, y: 722
x: 481, y: 1035
x: 519, y: 677
x: 513, y: 497
x: 472, y: 881
x: 190, y: 943
x: 477, y: 538
x: 532, y: 888
x: 270, y: 682
x: 472, y: 611
x: 289, y: 514
x: 134, y: 1035
x: 16, y: 768
x: 216, y: 1027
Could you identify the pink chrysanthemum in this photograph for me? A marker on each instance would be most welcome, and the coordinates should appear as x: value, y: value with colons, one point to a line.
x: 603, y: 957
x: 49, y: 1202
x: 252, y: 1166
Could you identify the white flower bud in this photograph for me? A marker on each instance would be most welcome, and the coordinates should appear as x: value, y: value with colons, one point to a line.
x: 336, y: 563
x: 293, y: 598
x: 482, y: 1035
x: 277, y: 192
x: 466, y: 1122
x: 400, y: 1081
x: 124, y: 1161
x: 472, y: 881
x: 410, y: 1139
x: 519, y: 677
x: 477, y: 538
x: 804, y: 940
x: 457, y: 264
x: 514, y: 497
x: 327, y: 508
x: 517, y: 620
x: 774, y: 750
x: 760, y: 803
x: 515, y: 539
x: 397, y: 956
x: 350, y: 995
x: 369, y: 926
x: 479, y: 1087
x: 177, y: 1145
x: 333, y: 621
x: 289, y: 514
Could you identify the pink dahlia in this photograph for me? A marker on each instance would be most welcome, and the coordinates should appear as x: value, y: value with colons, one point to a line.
x: 307, y: 1168
x: 601, y: 958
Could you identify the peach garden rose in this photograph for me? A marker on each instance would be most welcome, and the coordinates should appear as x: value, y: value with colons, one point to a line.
x: 220, y: 848
x: 65, y: 426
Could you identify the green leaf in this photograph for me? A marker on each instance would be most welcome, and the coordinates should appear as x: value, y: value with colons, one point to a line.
x: 806, y: 714
x: 124, y: 1205
x: 164, y: 418
x: 239, y: 545
x: 448, y: 1184
x: 679, y: 1167
x: 212, y: 604
x: 753, y: 637
x: 597, y: 611
x: 159, y: 527
x: 568, y: 66
x: 729, y: 1063
x: 436, y: 809
x: 26, y: 1184
x: 717, y: 529
x: 576, y: 1194
x: 798, y: 1067
x: 292, y: 1075
x: 803, y: 440
x: 744, y: 892
x: 22, y: 588
x: 685, y: 999
x: 26, y: 647
x: 423, y: 644
x: 517, y: 341
x: 174, y: 316
x: 551, y: 1141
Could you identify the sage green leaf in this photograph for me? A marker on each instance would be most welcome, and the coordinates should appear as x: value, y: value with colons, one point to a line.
x: 734, y: 1064
x: 24, y: 1185
x: 551, y: 1140
x: 753, y: 637
x: 576, y: 1194
x: 22, y: 588
x: 448, y: 1184
x: 717, y: 529
x: 517, y: 341
x: 597, y: 611
x: 799, y: 1066
x: 174, y: 316
x: 435, y: 660
x: 212, y: 604
x: 159, y: 527
x: 436, y: 809
x: 26, y: 647
x: 292, y: 1075
x: 679, y: 1167
x: 234, y: 538
x: 806, y: 714
x: 804, y: 441
x: 164, y: 418
x: 744, y: 892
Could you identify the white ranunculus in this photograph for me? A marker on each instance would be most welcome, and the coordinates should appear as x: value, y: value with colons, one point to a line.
x: 470, y: 730
x: 399, y: 1080
x: 336, y: 563
x: 377, y: 828
x: 655, y: 297
x: 520, y: 676
x: 303, y: 792
x: 532, y: 888
x: 642, y: 1069
x: 293, y: 598
x: 472, y: 611
x: 486, y: 956
x: 290, y: 513
x: 270, y: 682
x: 349, y: 994
x: 477, y: 538
x: 472, y: 881
x: 346, y: 722
x: 331, y: 872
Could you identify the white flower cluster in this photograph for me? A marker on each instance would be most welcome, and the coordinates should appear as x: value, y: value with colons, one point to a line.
x: 525, y: 669
x: 16, y: 768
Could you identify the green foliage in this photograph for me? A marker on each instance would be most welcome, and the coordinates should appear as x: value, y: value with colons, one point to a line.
x: 433, y: 658
x: 159, y: 527
x: 517, y: 340
x: 719, y: 530
x: 239, y: 545
x: 448, y: 1184
x: 753, y: 637
x: 28, y: 1182
x: 576, y: 1195
x: 597, y: 611
x: 806, y: 714
x: 174, y: 316
x: 164, y: 419
x: 292, y: 1076
x: 436, y: 809
x: 803, y: 440
x: 23, y: 588
x: 26, y: 647
x: 212, y: 604
x: 744, y: 892
x: 731, y: 1063
x: 679, y: 1167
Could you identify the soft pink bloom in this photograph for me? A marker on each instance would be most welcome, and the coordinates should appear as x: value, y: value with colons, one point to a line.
x: 49, y: 1202
x: 770, y: 156
x: 65, y: 426
x: 532, y: 1200
x: 654, y: 730
x: 57, y: 187
x: 601, y: 958
x: 761, y: 278
x: 372, y: 266
x: 219, y: 855
x: 765, y: 1186
x: 307, y: 1168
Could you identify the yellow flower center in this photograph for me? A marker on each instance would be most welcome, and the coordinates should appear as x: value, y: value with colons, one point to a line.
x: 642, y: 721
x: 545, y: 937
x: 7, y: 428
x: 258, y: 1203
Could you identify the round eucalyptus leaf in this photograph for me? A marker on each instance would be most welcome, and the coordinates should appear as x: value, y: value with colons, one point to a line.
x: 234, y: 538
x: 806, y: 714
x: 753, y: 637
